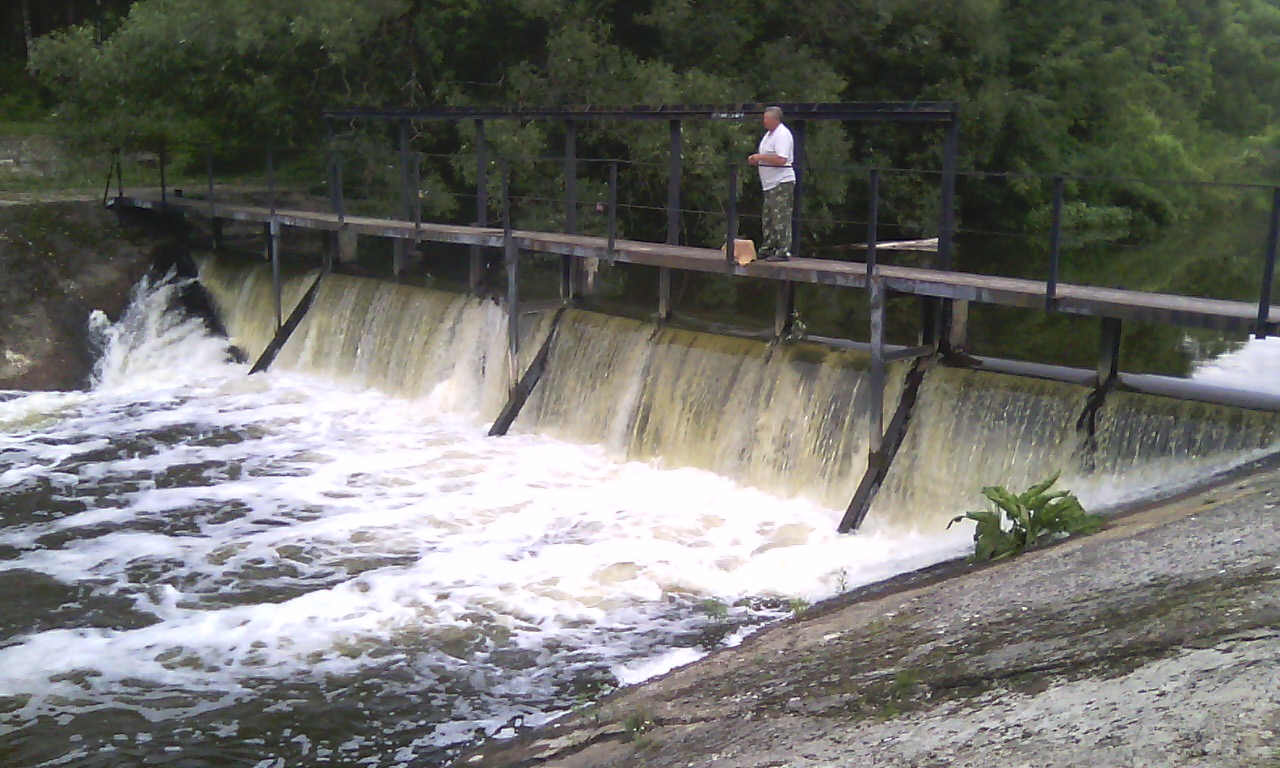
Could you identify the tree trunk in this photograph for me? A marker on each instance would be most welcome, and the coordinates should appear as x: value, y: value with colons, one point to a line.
x: 27, y: 37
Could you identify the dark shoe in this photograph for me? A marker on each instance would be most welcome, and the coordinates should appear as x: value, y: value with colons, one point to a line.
x: 777, y: 257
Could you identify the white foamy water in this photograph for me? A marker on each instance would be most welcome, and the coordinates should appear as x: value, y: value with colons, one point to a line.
x: 238, y: 568
x: 1254, y: 367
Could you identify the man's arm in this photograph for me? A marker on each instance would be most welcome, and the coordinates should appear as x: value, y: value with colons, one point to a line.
x: 776, y: 161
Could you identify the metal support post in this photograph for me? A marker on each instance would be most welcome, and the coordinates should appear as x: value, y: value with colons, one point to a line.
x: 732, y: 216
x: 567, y: 271
x: 946, y: 228
x: 1109, y: 351
x: 674, y: 169
x: 476, y: 272
x: 1055, y: 246
x: 875, y: 376
x: 797, y: 209
x: 406, y: 211
x: 215, y: 224
x: 513, y: 294
x: 613, y: 205
x: 784, y: 307
x: 273, y: 252
x: 1269, y: 267
x: 271, y: 181
x: 119, y: 174
x: 164, y: 184
x: 417, y: 199
x: 873, y: 220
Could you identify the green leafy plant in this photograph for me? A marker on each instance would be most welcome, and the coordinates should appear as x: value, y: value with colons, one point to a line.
x: 1015, y: 523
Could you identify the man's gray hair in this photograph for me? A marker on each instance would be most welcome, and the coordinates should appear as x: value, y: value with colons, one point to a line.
x: 775, y: 111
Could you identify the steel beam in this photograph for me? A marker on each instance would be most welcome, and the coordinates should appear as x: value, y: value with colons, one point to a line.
x: 674, y: 173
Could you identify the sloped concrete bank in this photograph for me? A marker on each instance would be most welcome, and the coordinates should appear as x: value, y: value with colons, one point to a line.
x: 59, y: 261
x: 1153, y: 643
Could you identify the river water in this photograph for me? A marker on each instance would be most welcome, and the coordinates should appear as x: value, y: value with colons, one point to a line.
x: 332, y: 564
x: 206, y: 568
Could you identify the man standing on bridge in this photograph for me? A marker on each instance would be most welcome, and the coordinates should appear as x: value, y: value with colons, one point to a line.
x: 778, y: 180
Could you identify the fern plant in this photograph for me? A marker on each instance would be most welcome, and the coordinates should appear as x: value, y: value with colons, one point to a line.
x: 1015, y: 523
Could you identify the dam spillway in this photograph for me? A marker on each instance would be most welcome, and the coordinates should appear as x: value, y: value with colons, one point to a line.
x: 789, y: 419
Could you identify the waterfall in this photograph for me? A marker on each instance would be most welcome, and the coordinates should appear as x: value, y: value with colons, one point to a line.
x: 790, y: 419
x: 447, y: 349
x: 972, y: 429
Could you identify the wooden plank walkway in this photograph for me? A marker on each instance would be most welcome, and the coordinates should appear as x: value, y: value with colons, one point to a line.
x: 1188, y: 311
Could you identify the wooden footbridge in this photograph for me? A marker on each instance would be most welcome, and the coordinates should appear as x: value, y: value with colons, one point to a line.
x: 944, y: 293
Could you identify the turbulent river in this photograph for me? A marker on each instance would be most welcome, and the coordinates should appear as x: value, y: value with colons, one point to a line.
x: 200, y: 567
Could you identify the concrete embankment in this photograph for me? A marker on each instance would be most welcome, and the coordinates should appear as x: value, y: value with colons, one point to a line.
x: 1152, y: 643
x: 59, y: 261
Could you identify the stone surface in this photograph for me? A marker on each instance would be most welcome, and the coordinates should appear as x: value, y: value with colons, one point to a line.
x: 1152, y: 643
x: 59, y: 260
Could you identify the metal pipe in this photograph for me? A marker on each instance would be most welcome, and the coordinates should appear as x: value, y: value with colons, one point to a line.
x: 1269, y: 267
x: 273, y: 249
x: 1055, y: 246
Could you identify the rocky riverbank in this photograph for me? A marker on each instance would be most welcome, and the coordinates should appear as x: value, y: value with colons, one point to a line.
x: 60, y: 260
x: 1152, y: 643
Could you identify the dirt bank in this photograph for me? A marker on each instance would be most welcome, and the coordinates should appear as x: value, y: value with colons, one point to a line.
x: 59, y: 260
x: 1153, y: 643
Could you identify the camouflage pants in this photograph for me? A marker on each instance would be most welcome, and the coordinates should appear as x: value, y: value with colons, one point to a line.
x: 775, y: 222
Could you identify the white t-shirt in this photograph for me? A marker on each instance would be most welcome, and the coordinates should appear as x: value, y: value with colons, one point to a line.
x: 777, y: 142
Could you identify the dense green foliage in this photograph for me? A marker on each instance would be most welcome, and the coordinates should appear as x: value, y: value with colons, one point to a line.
x: 1013, y: 523
x: 1152, y: 89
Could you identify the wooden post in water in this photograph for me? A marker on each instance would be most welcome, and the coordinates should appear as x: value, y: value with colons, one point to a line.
x: 674, y: 167
x: 513, y: 292
x: 476, y: 272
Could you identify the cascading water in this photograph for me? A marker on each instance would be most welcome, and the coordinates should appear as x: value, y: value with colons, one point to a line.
x: 447, y: 349
x: 972, y: 429
x: 791, y: 420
